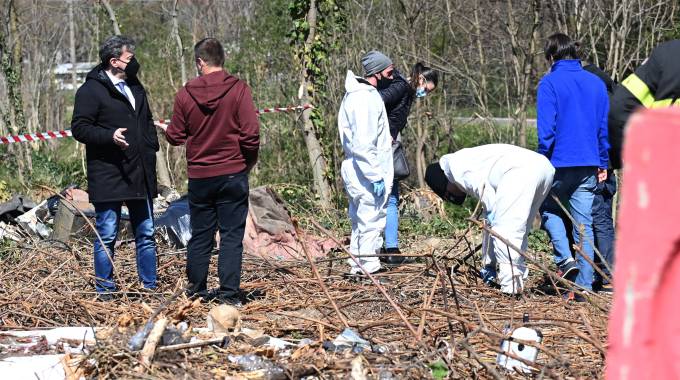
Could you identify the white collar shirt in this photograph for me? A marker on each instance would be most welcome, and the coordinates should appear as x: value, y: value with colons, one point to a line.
x: 128, y: 92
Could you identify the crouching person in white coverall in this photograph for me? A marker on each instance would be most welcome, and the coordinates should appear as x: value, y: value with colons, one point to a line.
x: 367, y: 169
x: 511, y: 183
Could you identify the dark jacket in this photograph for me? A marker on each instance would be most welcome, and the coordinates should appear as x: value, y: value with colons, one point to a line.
x: 215, y: 115
x: 572, y: 106
x: 593, y: 69
x: 114, y: 174
x: 398, y: 97
x: 655, y: 84
x: 609, y: 82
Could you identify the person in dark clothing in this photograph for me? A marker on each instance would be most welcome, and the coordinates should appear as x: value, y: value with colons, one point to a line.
x: 603, y: 221
x: 593, y: 69
x: 655, y: 84
x: 398, y: 95
x: 215, y: 117
x: 111, y: 116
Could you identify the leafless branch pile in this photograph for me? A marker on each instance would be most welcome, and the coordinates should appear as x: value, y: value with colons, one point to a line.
x: 456, y: 319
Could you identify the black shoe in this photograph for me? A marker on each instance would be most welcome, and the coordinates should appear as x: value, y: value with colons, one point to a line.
x: 568, y: 270
x: 232, y: 301
x: 580, y: 297
x: 606, y: 289
x: 205, y: 294
x: 144, y: 293
x: 391, y: 256
x: 106, y: 296
x: 251, y: 295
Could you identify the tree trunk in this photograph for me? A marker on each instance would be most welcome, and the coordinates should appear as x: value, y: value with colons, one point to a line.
x: 523, y: 63
x: 72, y: 45
x: 314, y: 148
x: 162, y: 168
x: 180, y: 47
x: 162, y: 172
x: 11, y: 62
x: 112, y: 16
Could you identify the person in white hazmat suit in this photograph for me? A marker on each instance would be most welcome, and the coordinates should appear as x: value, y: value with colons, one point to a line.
x: 511, y: 183
x: 367, y: 169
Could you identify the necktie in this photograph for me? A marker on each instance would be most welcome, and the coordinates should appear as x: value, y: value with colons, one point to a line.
x: 121, y: 87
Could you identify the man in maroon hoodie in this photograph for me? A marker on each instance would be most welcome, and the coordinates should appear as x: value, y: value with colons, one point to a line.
x: 215, y: 117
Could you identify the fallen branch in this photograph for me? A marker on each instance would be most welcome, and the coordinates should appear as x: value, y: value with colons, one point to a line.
x: 146, y: 356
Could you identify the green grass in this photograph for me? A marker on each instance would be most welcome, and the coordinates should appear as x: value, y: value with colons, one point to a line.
x: 55, y: 168
x: 497, y: 112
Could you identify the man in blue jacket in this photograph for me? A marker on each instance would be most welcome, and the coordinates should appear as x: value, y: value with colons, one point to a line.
x: 572, y: 109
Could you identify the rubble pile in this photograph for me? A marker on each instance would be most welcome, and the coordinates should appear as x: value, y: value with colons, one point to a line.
x: 432, y: 318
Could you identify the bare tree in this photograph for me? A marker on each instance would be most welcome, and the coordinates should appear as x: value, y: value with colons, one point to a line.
x: 10, y: 60
x: 112, y: 16
x: 72, y: 44
x: 523, y: 60
x: 178, y: 40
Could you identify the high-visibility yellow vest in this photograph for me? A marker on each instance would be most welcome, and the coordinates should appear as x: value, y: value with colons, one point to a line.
x: 641, y: 91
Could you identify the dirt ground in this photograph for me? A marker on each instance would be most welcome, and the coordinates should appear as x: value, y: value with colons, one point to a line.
x: 431, y: 318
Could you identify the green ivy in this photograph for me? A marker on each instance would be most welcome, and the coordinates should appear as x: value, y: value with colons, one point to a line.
x: 330, y: 22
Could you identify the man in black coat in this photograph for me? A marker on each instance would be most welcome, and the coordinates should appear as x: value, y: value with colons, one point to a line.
x: 111, y: 116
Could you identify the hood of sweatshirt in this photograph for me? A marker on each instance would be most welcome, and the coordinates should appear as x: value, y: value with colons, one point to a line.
x: 354, y: 83
x: 207, y: 90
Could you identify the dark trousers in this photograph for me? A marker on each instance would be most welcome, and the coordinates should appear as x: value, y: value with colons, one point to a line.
x: 603, y: 224
x: 217, y: 202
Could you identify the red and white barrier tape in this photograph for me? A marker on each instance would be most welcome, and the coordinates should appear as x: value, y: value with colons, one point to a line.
x: 29, y: 137
x: 164, y: 123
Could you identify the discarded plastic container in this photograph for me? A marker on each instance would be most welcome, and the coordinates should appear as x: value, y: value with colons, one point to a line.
x: 519, y: 349
x: 278, y: 343
x: 137, y: 341
x: 305, y: 342
x: 350, y: 339
x: 251, y: 362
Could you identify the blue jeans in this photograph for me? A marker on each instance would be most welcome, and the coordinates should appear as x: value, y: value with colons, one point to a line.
x: 603, y: 224
x: 574, y: 187
x: 392, y: 222
x: 107, y: 220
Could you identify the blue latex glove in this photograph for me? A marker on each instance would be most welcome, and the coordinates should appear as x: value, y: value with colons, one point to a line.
x: 490, y: 216
x: 379, y: 187
x: 488, y: 274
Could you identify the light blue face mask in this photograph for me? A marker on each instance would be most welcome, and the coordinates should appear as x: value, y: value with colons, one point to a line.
x: 422, y: 91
